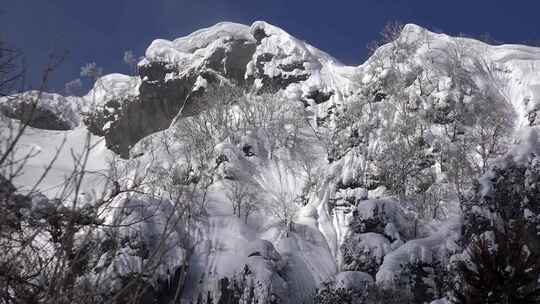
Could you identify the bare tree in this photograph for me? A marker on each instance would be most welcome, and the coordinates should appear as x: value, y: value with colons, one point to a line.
x: 130, y: 60
x: 11, y: 69
x: 73, y: 87
x: 52, y: 245
x: 243, y: 199
x: 390, y: 33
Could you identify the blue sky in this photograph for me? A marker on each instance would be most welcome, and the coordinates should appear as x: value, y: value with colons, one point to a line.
x: 101, y: 30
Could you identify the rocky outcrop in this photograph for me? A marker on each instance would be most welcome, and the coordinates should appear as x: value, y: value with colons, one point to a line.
x: 46, y: 111
x: 169, y: 89
x: 282, y: 77
x: 318, y: 96
x: 174, y: 74
x: 165, y: 92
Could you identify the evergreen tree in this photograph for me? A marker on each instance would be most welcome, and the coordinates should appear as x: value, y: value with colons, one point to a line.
x: 501, y: 270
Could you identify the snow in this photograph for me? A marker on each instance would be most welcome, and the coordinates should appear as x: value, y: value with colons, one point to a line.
x: 199, y: 39
x: 112, y: 86
x: 45, y: 145
x: 352, y: 279
x: 441, y: 301
x: 307, y: 255
x: 528, y: 143
x: 519, y: 65
x: 224, y: 244
x: 419, y: 250
x: 325, y: 72
x: 388, y: 211
x: 200, y: 83
x: 309, y: 262
x: 149, y: 225
x: 65, y: 108
x: 280, y: 42
x: 377, y: 244
x: 190, y: 51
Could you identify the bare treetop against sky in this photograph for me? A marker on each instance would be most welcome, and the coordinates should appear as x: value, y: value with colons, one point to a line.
x: 101, y: 30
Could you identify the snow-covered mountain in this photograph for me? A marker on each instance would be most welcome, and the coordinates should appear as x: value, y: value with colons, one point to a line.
x: 258, y: 166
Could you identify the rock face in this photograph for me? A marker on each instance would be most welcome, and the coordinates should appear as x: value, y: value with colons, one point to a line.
x: 172, y: 78
x: 165, y: 92
x: 47, y: 111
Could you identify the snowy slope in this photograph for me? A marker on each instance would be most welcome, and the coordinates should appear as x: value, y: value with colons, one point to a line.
x: 57, y: 149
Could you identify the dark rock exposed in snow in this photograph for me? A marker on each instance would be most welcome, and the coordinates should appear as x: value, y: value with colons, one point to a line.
x: 51, y: 112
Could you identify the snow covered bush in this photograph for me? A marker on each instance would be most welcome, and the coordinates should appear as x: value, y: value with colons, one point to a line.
x: 383, y: 216
x: 364, y: 252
